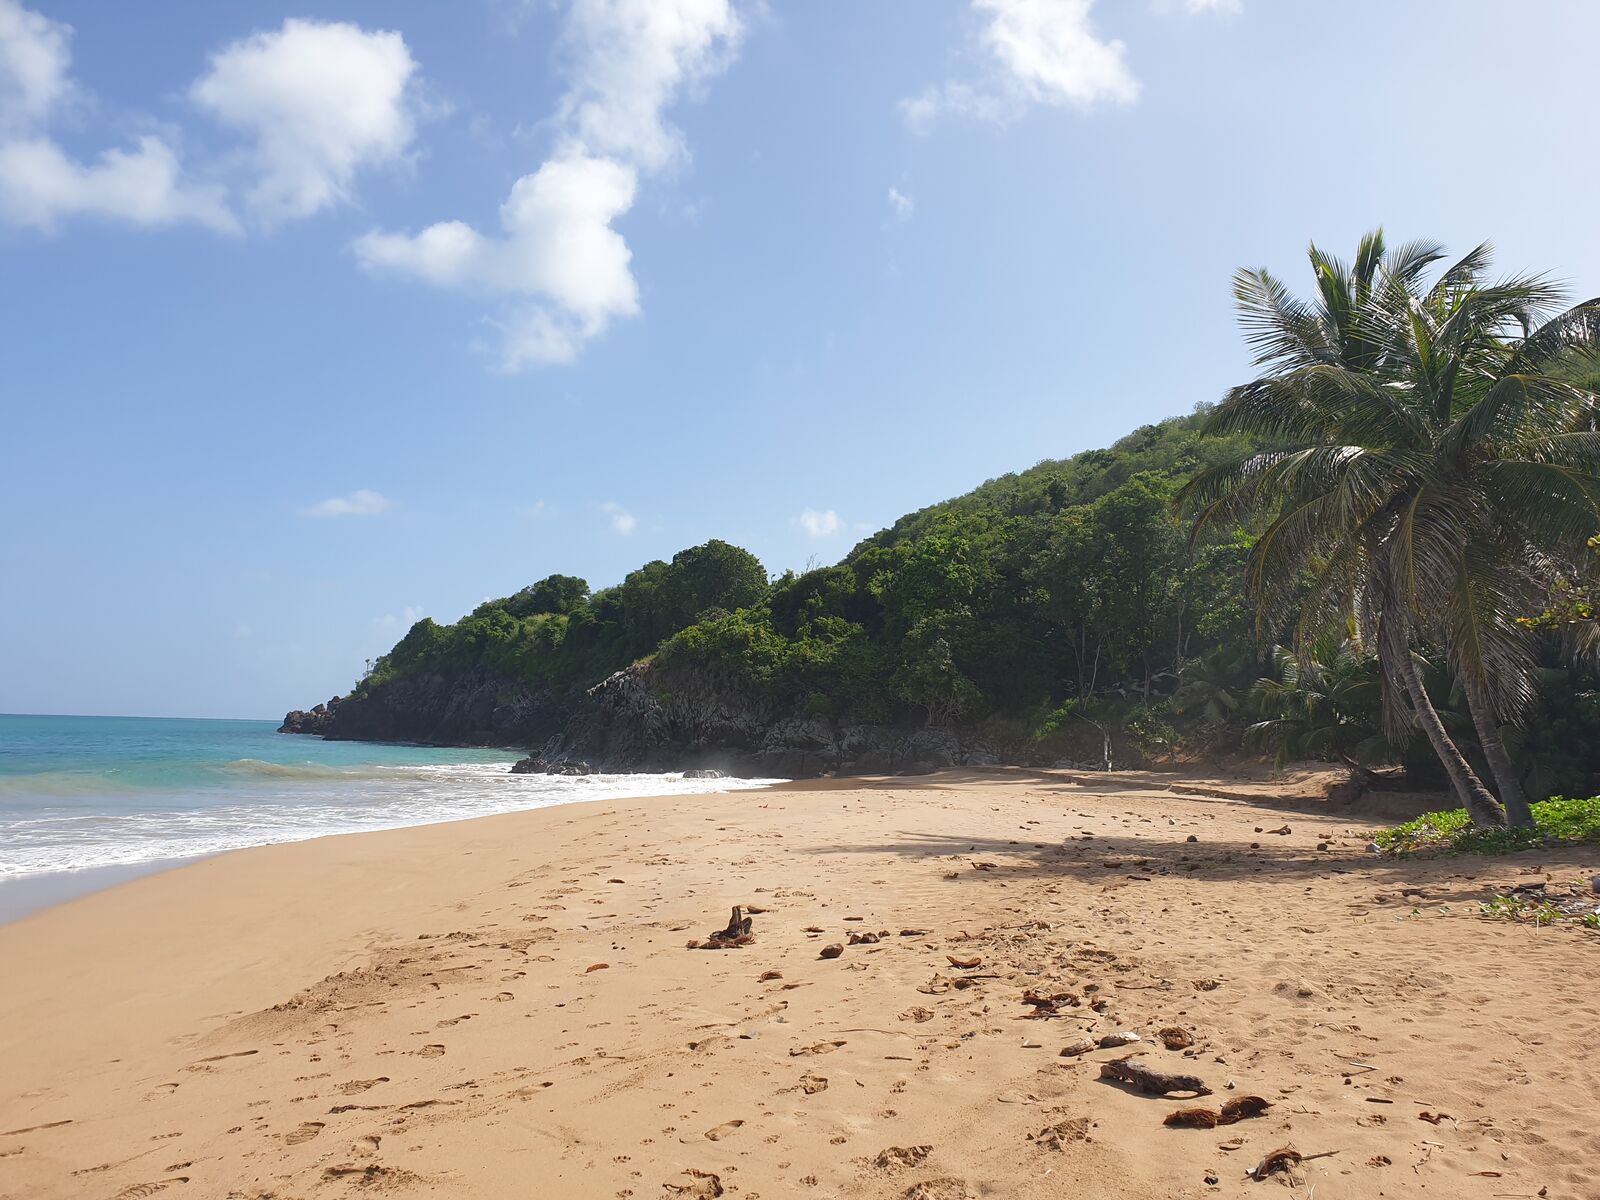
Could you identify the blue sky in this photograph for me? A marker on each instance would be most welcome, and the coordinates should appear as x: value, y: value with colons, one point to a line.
x: 317, y: 319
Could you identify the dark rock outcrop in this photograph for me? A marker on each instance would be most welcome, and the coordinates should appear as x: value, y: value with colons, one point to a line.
x: 640, y: 720
x: 473, y: 709
x: 536, y: 764
x: 315, y: 720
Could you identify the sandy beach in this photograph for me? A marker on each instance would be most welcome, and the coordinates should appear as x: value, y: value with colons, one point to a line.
x: 508, y: 1007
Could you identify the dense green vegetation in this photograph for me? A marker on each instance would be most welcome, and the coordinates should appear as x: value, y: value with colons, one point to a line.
x: 1554, y: 820
x: 1388, y: 567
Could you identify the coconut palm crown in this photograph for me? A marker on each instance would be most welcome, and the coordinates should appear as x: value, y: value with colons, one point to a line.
x: 1433, y: 464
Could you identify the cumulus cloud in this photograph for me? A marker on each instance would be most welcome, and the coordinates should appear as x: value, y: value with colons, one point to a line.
x: 41, y: 186
x: 560, y: 269
x: 819, y: 524
x: 35, y: 55
x: 622, y: 521
x: 1037, y: 52
x: 359, y: 503
x: 317, y: 101
x: 556, y: 242
x: 900, y: 204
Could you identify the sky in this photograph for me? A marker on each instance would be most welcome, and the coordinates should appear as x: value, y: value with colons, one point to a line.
x: 317, y: 320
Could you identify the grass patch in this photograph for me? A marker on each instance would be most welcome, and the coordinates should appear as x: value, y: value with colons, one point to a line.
x: 1450, y: 832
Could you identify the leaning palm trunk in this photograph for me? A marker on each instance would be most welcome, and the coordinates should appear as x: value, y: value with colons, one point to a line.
x: 1481, y: 806
x: 1507, y: 782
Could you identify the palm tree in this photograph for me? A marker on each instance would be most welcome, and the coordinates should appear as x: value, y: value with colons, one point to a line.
x: 1431, y: 456
x: 1320, y: 704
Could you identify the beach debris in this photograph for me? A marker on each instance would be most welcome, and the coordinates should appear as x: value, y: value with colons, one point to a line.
x: 592, y: 967
x: 812, y: 1084
x: 918, y: 1014
x: 863, y: 939
x: 1211, y: 1179
x: 1123, y: 1037
x: 1241, y: 1108
x: 1174, y: 1037
x: 1280, y: 1159
x: 897, y: 1158
x: 1284, y: 831
x: 1151, y: 1080
x: 1434, y: 1118
x: 1191, y: 838
x: 1049, y: 1004
x: 1081, y: 1046
x: 983, y: 866
x: 815, y: 1048
x: 1206, y: 985
x: 735, y: 934
x: 813, y: 929
x: 1059, y: 1135
x: 831, y: 950
x: 768, y: 976
x: 695, y: 1185
x: 913, y: 933
x: 964, y: 964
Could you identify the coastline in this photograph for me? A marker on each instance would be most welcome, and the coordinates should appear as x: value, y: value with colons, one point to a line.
x: 424, y: 1010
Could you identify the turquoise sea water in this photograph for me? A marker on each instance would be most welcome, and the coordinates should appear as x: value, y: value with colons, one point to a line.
x: 78, y: 793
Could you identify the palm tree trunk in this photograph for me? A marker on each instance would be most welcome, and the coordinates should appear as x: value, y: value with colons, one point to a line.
x: 1507, y: 783
x: 1479, y: 802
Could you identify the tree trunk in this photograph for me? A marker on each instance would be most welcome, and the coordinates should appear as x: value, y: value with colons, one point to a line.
x: 1507, y: 782
x: 1479, y: 802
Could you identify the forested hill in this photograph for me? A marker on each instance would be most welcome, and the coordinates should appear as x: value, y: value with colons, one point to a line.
x: 1056, y: 612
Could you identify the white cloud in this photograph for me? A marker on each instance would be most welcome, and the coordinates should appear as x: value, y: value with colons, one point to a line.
x: 557, y: 245
x: 622, y: 521
x: 35, y: 54
x: 40, y: 186
x: 901, y: 204
x: 359, y: 503
x: 1039, y: 52
x: 1211, y: 6
x: 562, y: 271
x: 319, y: 101
x: 819, y: 524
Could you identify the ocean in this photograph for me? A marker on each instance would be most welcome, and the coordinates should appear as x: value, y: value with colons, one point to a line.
x: 98, y: 798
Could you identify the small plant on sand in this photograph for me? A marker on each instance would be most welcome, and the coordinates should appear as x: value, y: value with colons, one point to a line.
x: 1451, y: 832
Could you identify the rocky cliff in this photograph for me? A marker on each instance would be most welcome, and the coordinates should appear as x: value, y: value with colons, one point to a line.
x: 475, y: 709
x: 642, y: 720
x: 637, y: 720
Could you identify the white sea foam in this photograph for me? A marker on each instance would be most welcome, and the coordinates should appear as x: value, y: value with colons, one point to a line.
x: 296, y: 803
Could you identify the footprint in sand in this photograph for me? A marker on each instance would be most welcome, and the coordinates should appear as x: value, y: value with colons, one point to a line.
x: 723, y: 1130
x: 366, y: 1147
x: 305, y: 1133
x: 433, y: 1050
x: 357, y: 1086
x: 695, y: 1185
x: 140, y: 1190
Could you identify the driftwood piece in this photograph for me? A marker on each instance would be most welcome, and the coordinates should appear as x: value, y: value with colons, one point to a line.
x: 1049, y: 1004
x: 735, y: 934
x: 1151, y: 1080
x: 1240, y: 1108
